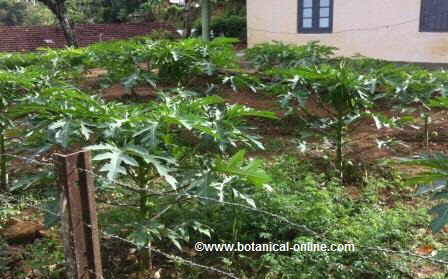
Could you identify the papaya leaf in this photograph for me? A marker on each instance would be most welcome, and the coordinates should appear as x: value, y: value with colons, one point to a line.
x: 237, y: 166
x: 441, y: 219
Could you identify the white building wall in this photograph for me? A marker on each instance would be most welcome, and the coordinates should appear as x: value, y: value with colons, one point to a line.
x: 386, y: 29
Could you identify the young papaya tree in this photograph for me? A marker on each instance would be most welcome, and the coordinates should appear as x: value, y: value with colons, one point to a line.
x: 14, y: 85
x: 152, y: 141
x: 340, y: 96
x: 418, y: 88
x: 61, y: 118
x: 434, y: 180
x: 175, y: 62
x: 268, y: 56
x: 185, y: 146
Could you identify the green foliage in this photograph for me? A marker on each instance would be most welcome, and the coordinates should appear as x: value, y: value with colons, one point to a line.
x: 252, y: 172
x: 365, y: 64
x: 11, y: 61
x: 162, y: 35
x: 148, y: 145
x: 342, y: 95
x: 433, y: 181
x: 65, y: 64
x: 86, y: 11
x: 144, y: 142
x: 38, y: 14
x: 19, y: 13
x: 183, y: 156
x: 46, y: 257
x: 12, y: 12
x: 418, y: 87
x: 271, y: 55
x: 408, y: 88
x: 62, y: 117
x: 170, y: 14
x: 178, y: 61
x: 230, y: 26
x: 139, y: 59
x: 227, y: 25
x: 92, y: 11
x: 440, y: 102
x: 15, y: 85
x: 302, y: 194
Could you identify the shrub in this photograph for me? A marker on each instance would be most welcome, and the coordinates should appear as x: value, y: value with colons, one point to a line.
x: 269, y: 55
x: 180, y: 61
x: 163, y: 35
x: 304, y: 195
x: 10, y: 61
x: 233, y: 26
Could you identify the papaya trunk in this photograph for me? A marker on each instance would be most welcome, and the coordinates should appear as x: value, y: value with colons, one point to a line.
x: 3, y: 175
x: 427, y: 131
x: 339, y: 144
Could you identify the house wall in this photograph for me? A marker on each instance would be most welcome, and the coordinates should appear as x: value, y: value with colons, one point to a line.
x: 386, y: 29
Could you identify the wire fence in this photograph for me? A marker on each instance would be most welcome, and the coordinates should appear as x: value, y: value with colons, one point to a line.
x: 178, y: 195
x: 11, y: 199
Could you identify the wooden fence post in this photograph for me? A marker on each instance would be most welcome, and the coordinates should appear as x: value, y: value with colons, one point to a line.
x: 3, y: 171
x: 78, y: 213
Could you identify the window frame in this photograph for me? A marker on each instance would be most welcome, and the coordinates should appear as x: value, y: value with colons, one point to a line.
x: 422, y: 27
x: 315, y: 29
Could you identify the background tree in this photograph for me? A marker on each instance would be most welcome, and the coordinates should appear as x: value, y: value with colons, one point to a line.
x: 188, y: 13
x: 118, y: 11
x: 95, y: 11
x: 18, y: 13
x: 59, y: 9
x: 38, y: 14
x: 12, y: 12
x: 222, y: 18
x: 205, y: 18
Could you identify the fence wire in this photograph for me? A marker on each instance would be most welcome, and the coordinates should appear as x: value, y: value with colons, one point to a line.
x: 134, y: 188
x: 176, y: 258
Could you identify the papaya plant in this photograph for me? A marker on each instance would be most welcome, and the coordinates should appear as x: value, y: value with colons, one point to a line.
x: 150, y: 62
x: 150, y: 142
x: 418, y: 88
x: 433, y: 180
x: 14, y: 86
x: 340, y: 97
x: 183, y: 145
x: 62, y: 117
x: 4, y: 122
x: 279, y: 55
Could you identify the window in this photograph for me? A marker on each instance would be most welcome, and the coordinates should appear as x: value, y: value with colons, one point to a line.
x: 316, y: 16
x: 434, y: 16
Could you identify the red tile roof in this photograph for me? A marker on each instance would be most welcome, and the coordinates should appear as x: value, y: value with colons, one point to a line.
x: 29, y: 38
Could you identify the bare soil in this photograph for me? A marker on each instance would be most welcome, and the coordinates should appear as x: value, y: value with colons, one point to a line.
x: 363, y: 137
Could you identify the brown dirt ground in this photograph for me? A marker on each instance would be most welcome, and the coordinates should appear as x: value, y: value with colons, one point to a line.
x: 363, y: 139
